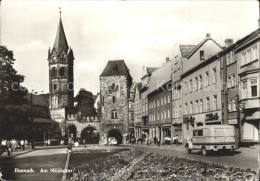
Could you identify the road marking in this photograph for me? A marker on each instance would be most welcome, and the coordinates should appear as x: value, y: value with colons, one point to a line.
x: 66, y: 167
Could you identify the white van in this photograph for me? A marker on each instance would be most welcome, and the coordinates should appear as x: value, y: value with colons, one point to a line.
x: 212, y: 138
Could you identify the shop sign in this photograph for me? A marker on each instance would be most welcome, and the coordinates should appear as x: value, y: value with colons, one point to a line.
x: 211, y: 117
x: 232, y: 121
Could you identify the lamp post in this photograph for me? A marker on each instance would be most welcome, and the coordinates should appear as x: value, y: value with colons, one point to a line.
x: 31, y: 123
x: 239, y: 106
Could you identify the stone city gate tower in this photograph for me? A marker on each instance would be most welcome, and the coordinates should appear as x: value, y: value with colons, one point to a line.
x: 115, y: 82
x: 61, y: 93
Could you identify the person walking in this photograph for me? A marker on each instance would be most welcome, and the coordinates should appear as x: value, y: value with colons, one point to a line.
x: 159, y: 141
x: 9, y: 147
x: 22, y: 144
x: 155, y: 140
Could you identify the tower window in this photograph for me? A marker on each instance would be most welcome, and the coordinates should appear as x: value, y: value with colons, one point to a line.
x: 114, y: 114
x: 62, y: 58
x: 114, y: 99
x: 55, y: 86
x: 53, y: 72
x: 62, y: 71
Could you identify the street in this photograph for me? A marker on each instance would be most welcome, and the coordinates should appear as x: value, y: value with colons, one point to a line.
x: 39, y: 159
x: 243, y: 157
x: 47, y: 159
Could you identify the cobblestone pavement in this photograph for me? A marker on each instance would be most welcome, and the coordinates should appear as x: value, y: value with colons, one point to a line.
x: 243, y: 157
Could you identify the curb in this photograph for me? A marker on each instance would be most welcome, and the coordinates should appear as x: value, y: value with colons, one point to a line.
x: 64, y: 175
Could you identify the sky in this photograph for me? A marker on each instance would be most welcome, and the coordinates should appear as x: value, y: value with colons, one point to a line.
x: 142, y: 33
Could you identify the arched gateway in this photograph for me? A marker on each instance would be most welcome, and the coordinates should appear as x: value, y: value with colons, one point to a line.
x: 90, y: 135
x: 117, y: 134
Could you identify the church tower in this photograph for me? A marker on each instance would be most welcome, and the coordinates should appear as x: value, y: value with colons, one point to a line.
x: 60, y: 57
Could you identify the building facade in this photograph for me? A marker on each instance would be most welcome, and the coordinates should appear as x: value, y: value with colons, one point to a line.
x: 115, y: 83
x: 159, y: 102
x: 201, y: 93
x: 138, y: 112
x: 249, y: 82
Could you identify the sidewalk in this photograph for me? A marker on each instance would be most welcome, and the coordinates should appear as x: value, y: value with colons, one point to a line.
x: 20, y: 152
x: 15, y: 153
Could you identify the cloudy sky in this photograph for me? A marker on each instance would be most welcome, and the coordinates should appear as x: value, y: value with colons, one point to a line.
x: 142, y: 33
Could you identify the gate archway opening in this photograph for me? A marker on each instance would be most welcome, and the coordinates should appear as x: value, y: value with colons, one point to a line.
x: 116, y: 134
x: 72, y: 130
x: 90, y: 135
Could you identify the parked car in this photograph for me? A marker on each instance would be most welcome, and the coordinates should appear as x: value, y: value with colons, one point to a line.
x: 112, y: 141
x: 212, y: 138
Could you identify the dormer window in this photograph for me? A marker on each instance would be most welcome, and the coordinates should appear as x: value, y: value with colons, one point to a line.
x: 115, y: 69
x: 202, y: 55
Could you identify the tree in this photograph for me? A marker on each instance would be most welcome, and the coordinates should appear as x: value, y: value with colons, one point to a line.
x: 12, y: 94
x: 85, y: 103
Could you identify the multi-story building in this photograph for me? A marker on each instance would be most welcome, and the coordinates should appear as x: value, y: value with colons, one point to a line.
x: 115, y: 82
x: 159, y: 102
x: 249, y: 82
x: 146, y: 75
x: 201, y: 91
x: 177, y: 69
x: 131, y: 110
x: 138, y: 112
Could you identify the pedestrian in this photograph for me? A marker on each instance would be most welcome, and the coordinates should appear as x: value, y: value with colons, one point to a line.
x: 158, y: 141
x: 26, y: 144
x: 70, y: 143
x: 9, y: 147
x: 154, y: 140
x: 175, y: 140
x: 76, y: 144
x: 22, y: 144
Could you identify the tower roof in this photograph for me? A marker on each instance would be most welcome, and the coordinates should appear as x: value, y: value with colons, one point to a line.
x: 60, y: 40
x: 115, y: 68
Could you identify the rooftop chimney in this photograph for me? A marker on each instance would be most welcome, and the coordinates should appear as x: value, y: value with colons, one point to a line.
x: 208, y: 35
x: 167, y: 59
x: 228, y: 42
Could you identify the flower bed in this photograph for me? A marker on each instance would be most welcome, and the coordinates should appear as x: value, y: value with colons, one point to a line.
x: 161, y: 167
x: 104, y: 168
x: 157, y: 167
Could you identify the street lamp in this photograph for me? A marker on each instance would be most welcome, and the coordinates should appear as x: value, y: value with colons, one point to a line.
x: 239, y: 106
x: 31, y: 124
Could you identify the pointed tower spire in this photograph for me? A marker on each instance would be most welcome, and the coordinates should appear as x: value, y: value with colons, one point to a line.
x: 60, y: 40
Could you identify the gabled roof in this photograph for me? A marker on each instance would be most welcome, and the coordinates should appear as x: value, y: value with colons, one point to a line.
x: 202, y: 43
x: 115, y: 67
x: 160, y: 77
x: 186, y: 50
x: 255, y: 34
x: 60, y: 40
x: 151, y: 69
